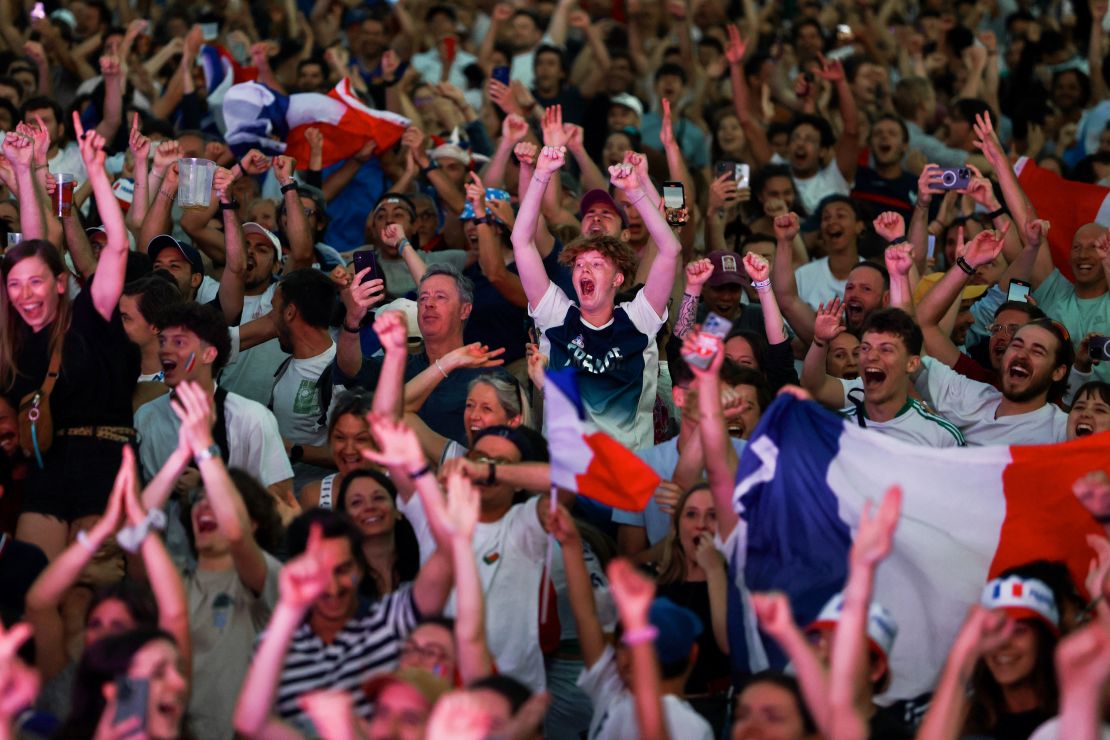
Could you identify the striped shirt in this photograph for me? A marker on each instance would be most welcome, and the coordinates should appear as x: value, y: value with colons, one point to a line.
x: 368, y: 645
x: 915, y: 422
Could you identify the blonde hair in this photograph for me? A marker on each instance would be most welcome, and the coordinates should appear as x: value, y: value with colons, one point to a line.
x: 672, y: 566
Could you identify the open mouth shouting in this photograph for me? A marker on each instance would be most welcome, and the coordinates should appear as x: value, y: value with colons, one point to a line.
x: 1019, y: 370
x: 1084, y: 429
x: 206, y: 523
x: 586, y: 288
x: 873, y: 377
x: 853, y: 312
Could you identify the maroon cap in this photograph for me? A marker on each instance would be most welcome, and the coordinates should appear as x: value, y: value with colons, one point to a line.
x: 597, y: 195
x: 728, y: 269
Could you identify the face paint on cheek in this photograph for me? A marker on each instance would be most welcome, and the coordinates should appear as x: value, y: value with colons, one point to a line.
x: 191, y: 362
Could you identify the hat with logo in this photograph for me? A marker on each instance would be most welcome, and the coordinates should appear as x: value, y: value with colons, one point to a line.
x: 728, y: 269
x: 881, y: 627
x: 1022, y: 598
x: 596, y: 196
x: 164, y: 241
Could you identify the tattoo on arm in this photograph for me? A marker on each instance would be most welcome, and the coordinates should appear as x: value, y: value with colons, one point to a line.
x: 687, y: 312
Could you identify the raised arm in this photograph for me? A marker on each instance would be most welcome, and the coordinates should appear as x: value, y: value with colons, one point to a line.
x: 1021, y: 210
x: 827, y: 327
x: 140, y: 152
x: 660, y: 279
x: 847, y: 145
x: 357, y: 297
x: 759, y: 270
x: 490, y: 258
x: 394, y: 236
x: 301, y: 254
x: 529, y: 263
x: 111, y: 267
x: 891, y: 226
x: 392, y: 331
x: 232, y: 283
x: 697, y: 272
x: 580, y: 592
x: 474, y: 658
x: 473, y: 355
x: 19, y: 150
x: 757, y: 137
x: 114, y: 74
x: 1083, y: 668
x: 633, y: 593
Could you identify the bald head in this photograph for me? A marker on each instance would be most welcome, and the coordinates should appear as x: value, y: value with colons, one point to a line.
x: 1085, y: 263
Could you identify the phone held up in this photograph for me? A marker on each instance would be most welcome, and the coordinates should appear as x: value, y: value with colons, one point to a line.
x: 1018, y: 291
x: 132, y: 697
x: 365, y: 259
x: 501, y: 74
x: 674, y: 203
x: 706, y: 350
x: 738, y: 171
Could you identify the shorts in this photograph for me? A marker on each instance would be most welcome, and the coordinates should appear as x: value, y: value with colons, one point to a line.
x: 76, y: 480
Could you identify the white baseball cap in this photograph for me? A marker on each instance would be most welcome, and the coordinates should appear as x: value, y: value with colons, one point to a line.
x: 881, y: 626
x: 1022, y: 598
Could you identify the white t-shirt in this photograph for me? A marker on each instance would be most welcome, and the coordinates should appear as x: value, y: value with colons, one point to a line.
x: 615, y: 707
x: 510, y: 555
x: 972, y: 407
x: 250, y: 373
x: 254, y: 443
x: 225, y: 617
x: 829, y: 180
x: 816, y: 284
x: 617, y: 364
x: 296, y: 400
x: 914, y: 422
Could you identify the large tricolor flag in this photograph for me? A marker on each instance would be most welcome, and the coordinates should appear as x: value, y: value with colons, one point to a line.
x: 1066, y: 204
x: 221, y: 71
x: 967, y: 514
x: 257, y: 117
x: 587, y: 461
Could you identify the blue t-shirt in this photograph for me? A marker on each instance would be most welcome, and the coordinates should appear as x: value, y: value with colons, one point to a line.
x: 348, y: 209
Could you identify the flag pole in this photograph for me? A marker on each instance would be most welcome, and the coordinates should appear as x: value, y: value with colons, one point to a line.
x: 550, y: 555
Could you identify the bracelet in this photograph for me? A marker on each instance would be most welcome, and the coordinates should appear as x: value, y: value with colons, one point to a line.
x: 441, y: 370
x: 402, y: 244
x: 207, y: 453
x: 540, y: 179
x: 922, y: 204
x: 640, y: 636
x: 131, y: 538
x: 491, y: 477
x: 965, y: 266
x: 897, y: 240
x: 431, y: 166
x: 39, y: 167
x: 818, y: 343
x: 289, y: 187
x: 1000, y: 211
x: 356, y: 330
x: 85, y: 542
x: 761, y: 284
x: 231, y: 205
x: 421, y: 472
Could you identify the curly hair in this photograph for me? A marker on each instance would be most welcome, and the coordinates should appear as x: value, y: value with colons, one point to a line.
x: 612, y: 249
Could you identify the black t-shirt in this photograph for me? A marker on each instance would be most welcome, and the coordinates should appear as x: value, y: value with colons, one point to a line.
x: 712, y: 666
x: 884, y: 725
x: 99, y: 370
x: 877, y: 193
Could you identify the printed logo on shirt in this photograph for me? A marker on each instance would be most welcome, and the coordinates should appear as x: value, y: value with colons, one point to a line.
x: 221, y: 611
x: 579, y: 341
x: 585, y: 361
x: 307, y: 400
x: 491, y: 557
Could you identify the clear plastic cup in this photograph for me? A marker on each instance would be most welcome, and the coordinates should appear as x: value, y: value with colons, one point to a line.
x: 194, y: 188
x: 62, y: 197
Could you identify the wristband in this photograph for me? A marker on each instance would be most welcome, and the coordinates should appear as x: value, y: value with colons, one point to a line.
x: 356, y: 330
x: 1000, y: 211
x: 640, y: 636
x: 761, y: 284
x: 441, y: 370
x: 431, y: 166
x: 231, y: 205
x: 818, y: 343
x: 491, y: 477
x: 897, y: 240
x: 85, y: 542
x: 965, y: 266
x: 402, y: 244
x: 540, y: 179
x: 414, y: 474
x: 132, y: 538
x: 207, y: 453
x: 289, y: 187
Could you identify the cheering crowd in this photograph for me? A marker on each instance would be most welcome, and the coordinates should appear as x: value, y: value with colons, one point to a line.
x: 276, y: 393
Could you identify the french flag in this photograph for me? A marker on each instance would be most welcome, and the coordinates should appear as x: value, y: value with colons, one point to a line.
x: 587, y: 461
x: 221, y: 71
x: 257, y: 117
x: 967, y: 514
x: 1067, y: 204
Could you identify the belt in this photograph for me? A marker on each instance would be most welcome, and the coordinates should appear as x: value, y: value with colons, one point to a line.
x: 112, y: 434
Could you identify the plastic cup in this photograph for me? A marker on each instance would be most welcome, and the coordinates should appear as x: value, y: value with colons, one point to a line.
x: 194, y: 188
x: 14, y: 237
x: 62, y: 197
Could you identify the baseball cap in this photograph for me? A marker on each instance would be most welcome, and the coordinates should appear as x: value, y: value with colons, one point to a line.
x: 165, y: 241
x: 970, y: 292
x: 429, y: 686
x: 124, y: 190
x: 1022, y: 598
x: 881, y: 626
x: 678, y: 627
x: 250, y: 227
x: 628, y: 101
x: 597, y: 195
x: 728, y: 269
x: 408, y: 307
x: 491, y: 194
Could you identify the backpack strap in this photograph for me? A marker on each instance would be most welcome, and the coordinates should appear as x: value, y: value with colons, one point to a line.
x: 278, y: 375
x: 219, y: 432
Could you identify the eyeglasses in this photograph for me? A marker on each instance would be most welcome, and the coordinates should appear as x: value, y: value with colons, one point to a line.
x: 430, y: 653
x: 1010, y: 329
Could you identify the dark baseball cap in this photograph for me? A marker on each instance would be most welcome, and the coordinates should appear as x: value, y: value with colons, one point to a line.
x: 728, y: 269
x: 165, y: 241
x: 597, y: 195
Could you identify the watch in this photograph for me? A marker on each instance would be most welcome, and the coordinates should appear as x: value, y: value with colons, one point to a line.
x: 232, y: 205
x: 289, y: 187
x: 207, y: 453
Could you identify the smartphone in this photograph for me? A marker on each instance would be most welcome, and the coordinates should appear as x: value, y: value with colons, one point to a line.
x: 38, y: 11
x: 932, y: 247
x: 501, y: 74
x: 1019, y: 291
x: 727, y: 168
x: 211, y: 31
x: 706, y: 350
x: 674, y: 203
x: 365, y: 259
x: 132, y: 696
x: 743, y: 175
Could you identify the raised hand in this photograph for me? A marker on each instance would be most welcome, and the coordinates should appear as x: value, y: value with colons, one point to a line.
x: 314, y: 138
x: 392, y: 235
x: 537, y: 364
x: 875, y: 534
x: 757, y: 267
x: 111, y: 68
x: 928, y: 183
x: 697, y: 272
x: 359, y: 297
x: 979, y: 189
x: 1083, y: 661
x: 304, y: 578
x: 666, y: 130
x: 827, y: 325
x: 625, y: 177
x: 392, y: 330
x: 283, y: 168
x: 722, y: 192
x: 551, y: 159
x: 255, y: 163
x: 574, y: 137
x: 473, y: 355
x: 987, y: 142
x: 579, y: 19
x: 899, y: 259
x: 476, y: 194
x: 552, y: 126
x: 222, y: 180
x: 667, y: 494
x: 695, y: 343
x: 1035, y: 231
x: 786, y: 227
x: 502, y: 12
x: 139, y: 144
x: 514, y: 128
x: 890, y: 225
x: 19, y: 150
x: 734, y: 52
x: 92, y: 145
x: 195, y: 408
x: 41, y: 136
x: 398, y: 445
x: 167, y: 153
x: 983, y: 248
x: 19, y: 684
x: 639, y: 163
x: 463, y: 505
x: 772, y: 610
x: 632, y: 591
x: 830, y: 71
x: 1098, y: 574
x: 500, y: 94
